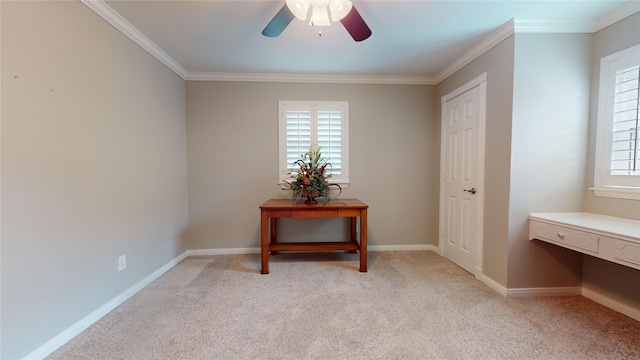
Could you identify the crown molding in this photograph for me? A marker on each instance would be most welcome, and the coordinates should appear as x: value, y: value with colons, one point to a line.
x: 536, y: 26
x: 497, y: 36
x: 311, y: 78
x: 552, y: 26
x: 113, y: 18
x: 616, y: 15
x: 483, y: 46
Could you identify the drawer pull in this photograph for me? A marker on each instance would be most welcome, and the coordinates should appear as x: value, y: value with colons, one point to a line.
x: 560, y: 236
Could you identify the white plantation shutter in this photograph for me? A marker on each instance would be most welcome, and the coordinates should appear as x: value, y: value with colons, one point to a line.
x: 617, y: 170
x: 625, y: 149
x: 314, y: 124
x: 330, y: 139
x: 298, y: 134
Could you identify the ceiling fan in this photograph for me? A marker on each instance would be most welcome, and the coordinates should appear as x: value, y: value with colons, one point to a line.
x: 341, y: 10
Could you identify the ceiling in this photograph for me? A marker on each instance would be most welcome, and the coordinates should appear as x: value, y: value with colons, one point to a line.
x: 411, y: 39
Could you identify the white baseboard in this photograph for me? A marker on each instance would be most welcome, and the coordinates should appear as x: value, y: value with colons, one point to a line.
x: 256, y: 250
x: 224, y: 251
x: 492, y: 284
x: 52, y: 345
x: 421, y: 247
x: 544, y: 291
x: 592, y: 295
x: 507, y: 292
x: 613, y: 304
x: 529, y: 292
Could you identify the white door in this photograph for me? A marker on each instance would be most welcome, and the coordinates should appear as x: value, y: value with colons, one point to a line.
x: 462, y: 178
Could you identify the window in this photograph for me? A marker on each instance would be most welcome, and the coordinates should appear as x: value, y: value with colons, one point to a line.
x: 319, y: 124
x: 617, y: 170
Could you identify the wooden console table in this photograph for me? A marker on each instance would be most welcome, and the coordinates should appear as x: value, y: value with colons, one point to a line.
x: 277, y: 208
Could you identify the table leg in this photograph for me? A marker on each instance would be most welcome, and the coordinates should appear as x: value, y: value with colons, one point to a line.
x: 354, y: 234
x: 273, y: 239
x: 363, y: 240
x: 264, y: 244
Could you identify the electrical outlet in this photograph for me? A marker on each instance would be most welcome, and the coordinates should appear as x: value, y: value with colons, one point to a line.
x: 122, y: 262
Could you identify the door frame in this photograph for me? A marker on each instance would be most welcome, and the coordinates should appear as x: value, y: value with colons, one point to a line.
x: 481, y: 83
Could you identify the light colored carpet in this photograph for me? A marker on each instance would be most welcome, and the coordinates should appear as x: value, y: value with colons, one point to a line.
x: 410, y: 305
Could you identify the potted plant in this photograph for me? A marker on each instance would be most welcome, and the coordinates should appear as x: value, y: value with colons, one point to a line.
x: 309, y: 179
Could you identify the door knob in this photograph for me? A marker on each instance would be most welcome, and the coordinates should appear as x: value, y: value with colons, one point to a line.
x: 472, y: 191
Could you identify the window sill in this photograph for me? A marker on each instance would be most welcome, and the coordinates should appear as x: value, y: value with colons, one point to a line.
x: 618, y: 192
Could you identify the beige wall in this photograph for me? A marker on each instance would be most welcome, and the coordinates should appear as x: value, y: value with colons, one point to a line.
x: 602, y: 276
x: 607, y: 41
x: 498, y: 64
x: 93, y: 167
x: 97, y: 149
x: 522, y: 109
x: 548, y: 147
x: 232, y: 137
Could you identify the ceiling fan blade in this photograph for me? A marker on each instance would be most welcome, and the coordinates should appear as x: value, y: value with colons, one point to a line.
x: 355, y: 25
x: 279, y: 22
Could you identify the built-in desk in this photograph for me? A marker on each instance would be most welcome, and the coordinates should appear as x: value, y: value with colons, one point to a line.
x: 610, y: 238
x: 278, y: 208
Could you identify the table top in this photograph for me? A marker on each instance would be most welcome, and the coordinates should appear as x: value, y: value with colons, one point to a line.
x: 335, y: 204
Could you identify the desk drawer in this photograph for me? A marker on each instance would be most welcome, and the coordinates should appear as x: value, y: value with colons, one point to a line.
x: 279, y: 213
x: 627, y: 251
x: 583, y: 241
x: 315, y: 213
x: 349, y: 212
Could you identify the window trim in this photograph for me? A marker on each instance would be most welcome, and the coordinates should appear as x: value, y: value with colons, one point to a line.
x: 343, y: 181
x: 603, y: 186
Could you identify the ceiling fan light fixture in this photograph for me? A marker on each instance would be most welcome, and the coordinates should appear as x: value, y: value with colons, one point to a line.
x: 342, y: 11
x: 339, y: 9
x: 299, y: 8
x: 319, y: 17
x: 320, y: 10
